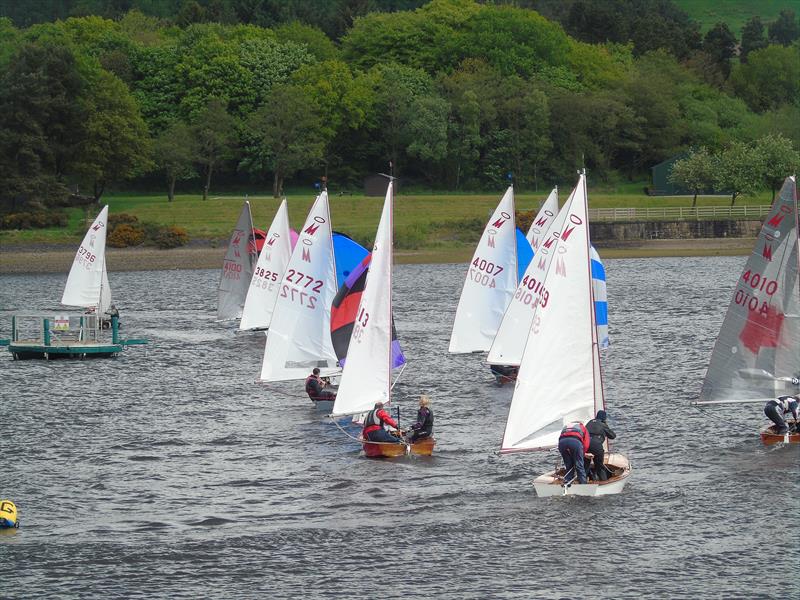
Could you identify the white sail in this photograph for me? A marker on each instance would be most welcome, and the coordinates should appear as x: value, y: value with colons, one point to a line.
x: 543, y: 220
x: 268, y: 273
x: 509, y: 343
x: 490, y: 283
x: 559, y: 379
x: 758, y: 348
x: 367, y: 375
x: 237, y: 268
x: 87, y: 284
x: 299, y: 337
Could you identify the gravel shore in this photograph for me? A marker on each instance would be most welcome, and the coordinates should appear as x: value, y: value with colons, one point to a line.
x: 50, y: 260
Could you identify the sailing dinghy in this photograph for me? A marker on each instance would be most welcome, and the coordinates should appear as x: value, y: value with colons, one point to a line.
x: 372, y: 351
x: 237, y: 268
x: 560, y: 379
x: 87, y: 285
x: 756, y: 357
x: 543, y: 220
x: 268, y: 273
x: 299, y: 335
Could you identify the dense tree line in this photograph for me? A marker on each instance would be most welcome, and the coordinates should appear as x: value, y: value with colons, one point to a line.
x: 455, y: 93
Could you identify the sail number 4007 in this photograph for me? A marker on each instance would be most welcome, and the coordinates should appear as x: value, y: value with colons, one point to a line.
x: 483, y: 272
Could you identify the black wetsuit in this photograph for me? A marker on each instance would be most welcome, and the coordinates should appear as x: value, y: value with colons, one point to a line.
x: 423, y: 427
x: 315, y: 391
x: 598, y: 432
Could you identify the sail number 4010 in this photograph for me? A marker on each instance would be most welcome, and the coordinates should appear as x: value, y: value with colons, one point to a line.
x: 760, y: 283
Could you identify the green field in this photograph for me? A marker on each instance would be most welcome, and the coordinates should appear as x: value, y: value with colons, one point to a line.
x: 421, y: 221
x: 734, y: 12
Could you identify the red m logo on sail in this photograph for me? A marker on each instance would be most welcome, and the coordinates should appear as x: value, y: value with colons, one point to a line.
x: 542, y: 262
x: 307, y: 254
x: 767, y: 251
x: 490, y: 241
x: 561, y: 268
x: 567, y: 233
x: 776, y: 220
x: 312, y: 229
x: 541, y: 221
x: 498, y: 223
x: 271, y: 241
x: 549, y: 242
x: 97, y: 226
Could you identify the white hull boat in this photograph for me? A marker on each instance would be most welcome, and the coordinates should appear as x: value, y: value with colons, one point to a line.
x: 552, y: 483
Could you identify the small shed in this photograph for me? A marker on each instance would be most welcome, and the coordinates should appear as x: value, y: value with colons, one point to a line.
x: 375, y: 185
x: 661, y: 183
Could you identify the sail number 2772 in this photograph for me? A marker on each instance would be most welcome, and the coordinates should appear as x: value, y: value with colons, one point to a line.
x: 304, y: 288
x: 483, y: 272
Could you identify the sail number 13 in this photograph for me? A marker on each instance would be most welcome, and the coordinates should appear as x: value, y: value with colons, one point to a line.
x: 360, y: 324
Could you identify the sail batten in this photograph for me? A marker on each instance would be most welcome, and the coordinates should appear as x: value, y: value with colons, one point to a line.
x: 757, y: 351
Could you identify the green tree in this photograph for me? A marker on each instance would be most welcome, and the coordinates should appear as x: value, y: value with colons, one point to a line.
x: 785, y: 29
x: 695, y: 172
x: 284, y: 136
x: 739, y: 169
x: 175, y: 152
x: 752, y: 38
x: 720, y: 43
x: 778, y: 159
x: 770, y: 78
x: 214, y: 130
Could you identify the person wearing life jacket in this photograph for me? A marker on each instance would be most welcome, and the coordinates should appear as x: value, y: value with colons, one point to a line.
x: 373, y: 426
x: 573, y: 444
x: 315, y: 385
x: 775, y: 409
x: 423, y: 428
x: 598, y: 432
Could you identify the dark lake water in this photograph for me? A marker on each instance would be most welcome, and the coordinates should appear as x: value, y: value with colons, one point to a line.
x: 168, y: 473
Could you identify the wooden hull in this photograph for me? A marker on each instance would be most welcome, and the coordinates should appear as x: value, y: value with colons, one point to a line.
x: 423, y: 447
x: 552, y: 483
x: 769, y: 436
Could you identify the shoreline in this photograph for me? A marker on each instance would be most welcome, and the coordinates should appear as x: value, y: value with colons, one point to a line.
x: 26, y: 260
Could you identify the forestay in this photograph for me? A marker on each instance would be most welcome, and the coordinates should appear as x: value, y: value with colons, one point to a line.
x: 299, y: 336
x: 759, y: 342
x: 87, y: 284
x: 559, y: 379
x: 543, y: 220
x: 265, y: 284
x: 237, y: 268
x: 490, y: 282
x: 367, y: 374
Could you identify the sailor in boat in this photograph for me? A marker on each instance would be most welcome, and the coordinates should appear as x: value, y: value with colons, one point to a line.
x: 106, y: 319
x: 573, y: 443
x: 775, y: 409
x: 504, y: 373
x: 315, y: 385
x: 598, y: 432
x: 373, y: 426
x: 423, y: 428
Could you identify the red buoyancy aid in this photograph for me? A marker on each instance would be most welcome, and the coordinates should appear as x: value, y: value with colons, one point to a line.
x: 577, y: 430
x: 374, y: 420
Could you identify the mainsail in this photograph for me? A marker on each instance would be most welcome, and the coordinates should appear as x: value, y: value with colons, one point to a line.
x: 367, y: 374
x: 758, y: 347
x: 268, y: 273
x: 299, y: 337
x: 544, y: 218
x: 559, y: 379
x: 87, y: 284
x: 490, y: 282
x: 237, y: 268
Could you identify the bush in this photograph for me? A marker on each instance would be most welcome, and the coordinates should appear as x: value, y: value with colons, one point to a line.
x: 33, y: 220
x: 115, y: 220
x: 125, y: 236
x: 170, y: 237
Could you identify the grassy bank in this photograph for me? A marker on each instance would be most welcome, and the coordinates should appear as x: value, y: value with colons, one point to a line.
x: 423, y: 222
